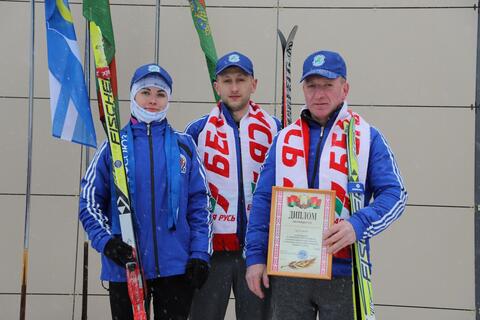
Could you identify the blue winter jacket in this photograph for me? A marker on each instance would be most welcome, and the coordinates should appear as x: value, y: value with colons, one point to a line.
x: 163, y: 252
x: 383, y: 182
x: 194, y: 129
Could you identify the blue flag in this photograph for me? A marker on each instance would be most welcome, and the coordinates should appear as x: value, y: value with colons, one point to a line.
x: 69, y: 103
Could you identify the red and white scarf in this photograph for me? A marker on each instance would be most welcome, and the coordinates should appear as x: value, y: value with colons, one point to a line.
x: 292, y: 157
x: 217, y: 149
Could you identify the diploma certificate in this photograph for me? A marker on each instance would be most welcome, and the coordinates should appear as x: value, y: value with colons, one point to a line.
x: 298, y: 219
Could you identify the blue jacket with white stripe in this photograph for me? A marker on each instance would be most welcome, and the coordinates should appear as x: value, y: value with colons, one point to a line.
x: 163, y: 252
x: 383, y: 183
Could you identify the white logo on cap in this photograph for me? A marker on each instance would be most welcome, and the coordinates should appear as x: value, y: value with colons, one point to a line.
x: 318, y: 60
x: 153, y: 68
x: 234, y: 58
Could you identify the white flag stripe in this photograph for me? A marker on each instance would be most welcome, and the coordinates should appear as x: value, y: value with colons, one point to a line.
x: 54, y: 93
x: 70, y: 121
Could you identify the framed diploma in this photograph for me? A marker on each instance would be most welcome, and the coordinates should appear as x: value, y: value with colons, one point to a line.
x: 298, y: 219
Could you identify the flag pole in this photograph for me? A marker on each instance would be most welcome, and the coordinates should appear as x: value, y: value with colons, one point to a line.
x: 26, y: 232
x: 157, y: 32
x: 87, y: 162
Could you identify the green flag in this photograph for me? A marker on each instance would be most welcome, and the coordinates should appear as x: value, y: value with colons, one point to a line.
x: 98, y: 11
x: 200, y: 21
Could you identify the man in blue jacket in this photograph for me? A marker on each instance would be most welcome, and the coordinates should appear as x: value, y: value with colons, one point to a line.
x: 311, y: 153
x: 232, y: 141
x: 169, y: 197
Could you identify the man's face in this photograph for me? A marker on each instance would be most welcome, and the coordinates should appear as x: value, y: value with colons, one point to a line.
x: 323, y: 95
x: 235, y: 87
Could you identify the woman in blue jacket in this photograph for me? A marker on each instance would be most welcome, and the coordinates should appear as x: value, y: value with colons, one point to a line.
x: 170, y: 208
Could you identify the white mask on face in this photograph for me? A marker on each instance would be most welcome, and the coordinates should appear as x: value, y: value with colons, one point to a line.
x: 147, y: 116
x: 140, y: 113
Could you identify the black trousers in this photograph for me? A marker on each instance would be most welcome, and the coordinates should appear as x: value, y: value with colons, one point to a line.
x: 172, y: 297
x: 227, y: 273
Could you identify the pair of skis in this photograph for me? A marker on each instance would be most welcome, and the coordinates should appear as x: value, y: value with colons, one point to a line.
x: 361, y: 273
x: 112, y: 125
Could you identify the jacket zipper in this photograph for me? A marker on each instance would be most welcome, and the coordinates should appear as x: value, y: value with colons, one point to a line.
x: 317, y: 159
x: 241, y: 191
x: 152, y: 190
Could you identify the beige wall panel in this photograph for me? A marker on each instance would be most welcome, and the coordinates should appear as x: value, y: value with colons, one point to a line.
x: 134, y: 28
x: 15, y: 58
x: 375, y: 3
x: 98, y: 308
x: 94, y: 269
x: 230, y: 314
x: 426, y: 259
x: 55, y: 162
x: 13, y: 145
x: 389, y: 61
x: 53, y: 307
x: 53, y: 233
x: 437, y: 166
x: 15, y: 62
x: 182, y: 56
x: 11, y: 243
x: 10, y: 306
x: 228, y: 3
x: 401, y: 313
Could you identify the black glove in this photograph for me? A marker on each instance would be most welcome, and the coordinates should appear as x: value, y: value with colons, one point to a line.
x: 197, y: 272
x: 120, y: 252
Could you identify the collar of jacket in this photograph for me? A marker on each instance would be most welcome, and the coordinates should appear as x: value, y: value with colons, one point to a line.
x: 142, y: 126
x: 307, y: 115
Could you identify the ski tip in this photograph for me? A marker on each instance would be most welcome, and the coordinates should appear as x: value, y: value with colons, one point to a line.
x: 283, y: 41
x: 292, y: 33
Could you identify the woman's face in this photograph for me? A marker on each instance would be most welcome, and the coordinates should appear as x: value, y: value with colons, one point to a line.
x: 152, y: 99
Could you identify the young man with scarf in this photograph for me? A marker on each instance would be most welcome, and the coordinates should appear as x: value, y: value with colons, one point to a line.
x: 311, y: 153
x: 169, y: 198
x: 232, y: 141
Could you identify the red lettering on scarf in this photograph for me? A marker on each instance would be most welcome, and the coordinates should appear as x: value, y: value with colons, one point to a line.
x: 260, y: 117
x: 219, y: 165
x: 217, y: 122
x: 258, y: 152
x: 287, y: 183
x: 290, y: 155
x: 219, y: 199
x: 339, y: 166
x: 226, y: 217
x: 342, y: 142
x: 293, y: 132
x: 216, y: 143
x: 256, y: 127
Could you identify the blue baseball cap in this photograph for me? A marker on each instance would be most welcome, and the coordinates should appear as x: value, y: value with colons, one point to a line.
x: 326, y: 64
x: 234, y: 59
x: 149, y: 69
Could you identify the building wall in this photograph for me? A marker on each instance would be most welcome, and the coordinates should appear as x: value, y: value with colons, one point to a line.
x: 411, y: 69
